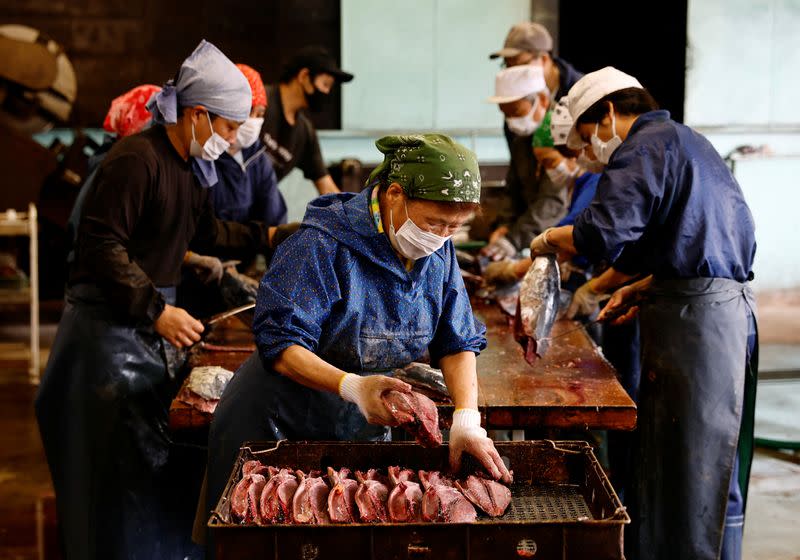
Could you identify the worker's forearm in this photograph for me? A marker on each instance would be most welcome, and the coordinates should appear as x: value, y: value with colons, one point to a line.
x: 303, y: 366
x: 610, y: 280
x: 461, y: 378
x: 325, y: 185
x: 561, y: 237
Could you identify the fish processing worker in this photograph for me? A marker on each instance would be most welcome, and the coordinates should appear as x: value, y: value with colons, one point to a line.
x: 668, y: 209
x: 103, y: 402
x: 289, y: 136
x: 248, y: 187
x: 369, y: 283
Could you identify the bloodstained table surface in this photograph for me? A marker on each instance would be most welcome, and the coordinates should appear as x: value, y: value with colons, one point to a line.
x: 572, y: 386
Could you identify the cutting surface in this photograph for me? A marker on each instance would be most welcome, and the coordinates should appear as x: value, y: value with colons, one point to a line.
x: 573, y: 385
x: 230, y: 332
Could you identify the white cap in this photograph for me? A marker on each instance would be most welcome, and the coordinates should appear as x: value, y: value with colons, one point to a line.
x: 517, y: 82
x: 561, y: 122
x: 589, y: 90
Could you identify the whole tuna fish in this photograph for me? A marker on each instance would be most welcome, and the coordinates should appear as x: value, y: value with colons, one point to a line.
x: 538, y: 306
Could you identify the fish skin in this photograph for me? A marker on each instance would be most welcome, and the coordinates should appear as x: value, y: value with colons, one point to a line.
x: 539, y: 298
x: 424, y: 376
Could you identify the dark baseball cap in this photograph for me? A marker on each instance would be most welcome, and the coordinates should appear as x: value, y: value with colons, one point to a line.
x: 318, y: 60
x: 525, y: 36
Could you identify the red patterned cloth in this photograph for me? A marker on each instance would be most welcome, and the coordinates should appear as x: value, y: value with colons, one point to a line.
x: 256, y: 85
x: 127, y: 114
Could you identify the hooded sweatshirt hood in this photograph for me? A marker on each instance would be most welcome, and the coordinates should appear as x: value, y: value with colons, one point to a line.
x: 347, y: 217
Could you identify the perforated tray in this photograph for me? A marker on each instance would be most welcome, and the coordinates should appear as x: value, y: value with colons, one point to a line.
x: 563, y: 507
x: 556, y: 503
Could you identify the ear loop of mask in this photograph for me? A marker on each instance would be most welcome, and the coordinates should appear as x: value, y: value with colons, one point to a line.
x: 613, y: 125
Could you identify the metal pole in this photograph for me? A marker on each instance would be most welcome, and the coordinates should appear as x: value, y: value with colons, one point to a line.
x: 34, y: 292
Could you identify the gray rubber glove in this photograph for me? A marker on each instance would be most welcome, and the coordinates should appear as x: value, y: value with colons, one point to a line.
x: 501, y: 248
x: 208, y: 268
x: 501, y: 273
x: 585, y: 302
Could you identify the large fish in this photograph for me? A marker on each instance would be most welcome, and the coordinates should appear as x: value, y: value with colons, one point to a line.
x: 539, y: 295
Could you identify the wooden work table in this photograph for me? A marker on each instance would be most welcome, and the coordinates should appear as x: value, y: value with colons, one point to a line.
x: 573, y: 386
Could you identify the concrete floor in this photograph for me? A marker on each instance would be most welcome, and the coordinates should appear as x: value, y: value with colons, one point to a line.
x: 771, y: 529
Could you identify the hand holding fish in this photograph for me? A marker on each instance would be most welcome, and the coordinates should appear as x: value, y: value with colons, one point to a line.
x: 541, y: 246
x: 365, y: 392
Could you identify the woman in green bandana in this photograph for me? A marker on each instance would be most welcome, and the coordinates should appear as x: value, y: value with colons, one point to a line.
x: 368, y: 284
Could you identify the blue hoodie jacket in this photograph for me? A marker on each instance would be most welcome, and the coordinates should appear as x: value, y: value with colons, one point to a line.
x: 337, y: 288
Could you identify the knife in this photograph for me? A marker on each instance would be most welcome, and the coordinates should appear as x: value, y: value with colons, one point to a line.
x: 229, y: 313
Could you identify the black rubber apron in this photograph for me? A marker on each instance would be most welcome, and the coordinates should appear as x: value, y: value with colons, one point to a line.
x: 102, y: 410
x: 694, y: 340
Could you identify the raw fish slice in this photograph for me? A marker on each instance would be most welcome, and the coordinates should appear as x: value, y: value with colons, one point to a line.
x: 276, y: 498
x: 445, y: 504
x: 311, y: 496
x: 416, y: 414
x: 405, y: 502
x: 342, y: 497
x: 371, y: 497
x: 489, y: 495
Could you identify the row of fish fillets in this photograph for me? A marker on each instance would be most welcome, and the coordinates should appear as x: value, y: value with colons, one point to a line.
x: 267, y: 495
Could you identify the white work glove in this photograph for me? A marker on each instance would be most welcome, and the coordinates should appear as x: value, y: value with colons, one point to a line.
x: 467, y: 435
x: 501, y: 273
x: 540, y: 246
x: 499, y: 249
x: 365, y: 392
x: 585, y: 301
x: 209, y: 269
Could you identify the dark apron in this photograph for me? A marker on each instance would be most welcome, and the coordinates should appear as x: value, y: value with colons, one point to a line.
x: 694, y: 353
x: 102, y: 410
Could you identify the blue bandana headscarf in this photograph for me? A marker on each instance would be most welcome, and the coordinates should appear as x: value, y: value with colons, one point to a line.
x: 208, y: 78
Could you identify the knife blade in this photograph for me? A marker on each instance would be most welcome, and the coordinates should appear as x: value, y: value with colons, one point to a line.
x: 229, y: 313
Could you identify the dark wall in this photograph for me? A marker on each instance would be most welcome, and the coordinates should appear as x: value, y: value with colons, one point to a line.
x: 117, y: 44
x: 645, y: 40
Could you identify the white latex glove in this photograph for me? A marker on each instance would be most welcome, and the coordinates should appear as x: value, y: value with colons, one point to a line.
x: 585, y: 301
x: 499, y: 249
x: 540, y: 246
x: 365, y: 392
x: 467, y: 435
x: 209, y: 269
x: 501, y: 273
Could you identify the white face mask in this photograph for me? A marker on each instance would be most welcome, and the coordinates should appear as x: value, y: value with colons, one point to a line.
x: 603, y: 150
x: 561, y: 175
x: 248, y: 132
x: 590, y: 165
x: 524, y: 125
x: 214, y: 147
x: 413, y: 242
